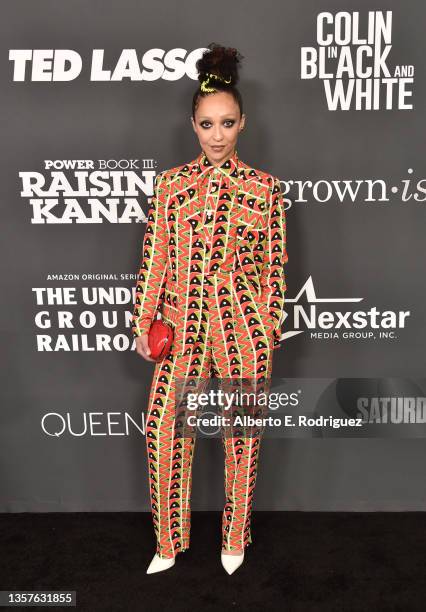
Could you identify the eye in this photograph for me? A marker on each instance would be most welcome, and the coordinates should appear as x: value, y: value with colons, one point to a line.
x: 206, y: 124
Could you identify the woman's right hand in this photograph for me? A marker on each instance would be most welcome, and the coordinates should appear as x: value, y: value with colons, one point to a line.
x: 142, y: 347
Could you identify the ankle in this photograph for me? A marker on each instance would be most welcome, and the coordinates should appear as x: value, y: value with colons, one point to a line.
x: 233, y: 552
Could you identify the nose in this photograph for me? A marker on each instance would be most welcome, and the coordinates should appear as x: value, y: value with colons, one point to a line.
x: 217, y: 134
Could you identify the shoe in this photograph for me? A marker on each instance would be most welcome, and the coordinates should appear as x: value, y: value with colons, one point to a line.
x: 158, y: 564
x: 231, y: 562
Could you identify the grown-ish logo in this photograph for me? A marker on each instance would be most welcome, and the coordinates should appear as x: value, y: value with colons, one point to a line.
x: 352, y: 59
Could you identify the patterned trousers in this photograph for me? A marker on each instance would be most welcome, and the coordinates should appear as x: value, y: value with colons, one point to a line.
x: 227, y: 347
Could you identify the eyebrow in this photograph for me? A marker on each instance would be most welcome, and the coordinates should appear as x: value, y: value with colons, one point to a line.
x: 230, y: 116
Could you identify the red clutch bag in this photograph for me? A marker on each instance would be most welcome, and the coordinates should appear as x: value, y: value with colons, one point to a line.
x: 160, y: 338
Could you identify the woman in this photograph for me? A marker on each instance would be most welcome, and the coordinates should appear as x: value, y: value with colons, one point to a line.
x: 212, y: 265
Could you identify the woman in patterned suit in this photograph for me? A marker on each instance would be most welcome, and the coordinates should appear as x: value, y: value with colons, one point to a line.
x: 212, y: 265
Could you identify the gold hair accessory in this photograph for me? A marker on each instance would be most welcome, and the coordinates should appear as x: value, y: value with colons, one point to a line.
x: 204, y: 83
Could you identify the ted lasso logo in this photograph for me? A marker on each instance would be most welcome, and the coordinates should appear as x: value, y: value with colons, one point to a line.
x: 59, y: 65
x: 311, y: 313
x: 352, y: 60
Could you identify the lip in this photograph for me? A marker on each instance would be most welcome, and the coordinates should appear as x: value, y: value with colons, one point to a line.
x: 217, y: 147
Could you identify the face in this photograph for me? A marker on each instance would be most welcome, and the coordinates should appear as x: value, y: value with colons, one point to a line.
x: 217, y: 125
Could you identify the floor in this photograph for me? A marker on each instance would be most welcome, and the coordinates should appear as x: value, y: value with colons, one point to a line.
x: 298, y: 562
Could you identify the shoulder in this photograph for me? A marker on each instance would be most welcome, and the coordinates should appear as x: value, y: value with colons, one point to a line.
x: 251, y: 173
x: 182, y: 170
x: 247, y: 172
x: 260, y: 177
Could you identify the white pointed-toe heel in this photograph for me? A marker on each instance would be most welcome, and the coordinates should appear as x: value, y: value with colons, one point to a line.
x: 158, y: 564
x: 231, y: 562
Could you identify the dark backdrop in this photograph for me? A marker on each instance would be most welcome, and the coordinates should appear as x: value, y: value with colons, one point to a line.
x: 73, y: 391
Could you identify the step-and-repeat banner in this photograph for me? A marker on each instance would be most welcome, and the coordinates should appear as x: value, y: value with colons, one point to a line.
x: 96, y: 100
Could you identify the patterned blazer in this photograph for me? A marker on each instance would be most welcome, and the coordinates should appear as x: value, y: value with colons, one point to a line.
x: 172, y: 269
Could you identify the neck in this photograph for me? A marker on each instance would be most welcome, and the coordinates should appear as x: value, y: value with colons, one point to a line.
x: 220, y: 162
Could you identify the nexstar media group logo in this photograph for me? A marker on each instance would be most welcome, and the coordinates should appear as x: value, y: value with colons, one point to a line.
x: 325, y: 321
x: 352, y: 60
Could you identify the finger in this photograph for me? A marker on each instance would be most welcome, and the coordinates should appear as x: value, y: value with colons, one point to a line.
x: 145, y: 345
x: 146, y: 349
x: 142, y: 347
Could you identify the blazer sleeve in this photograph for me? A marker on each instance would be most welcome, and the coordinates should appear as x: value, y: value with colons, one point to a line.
x: 274, y: 258
x: 153, y: 267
